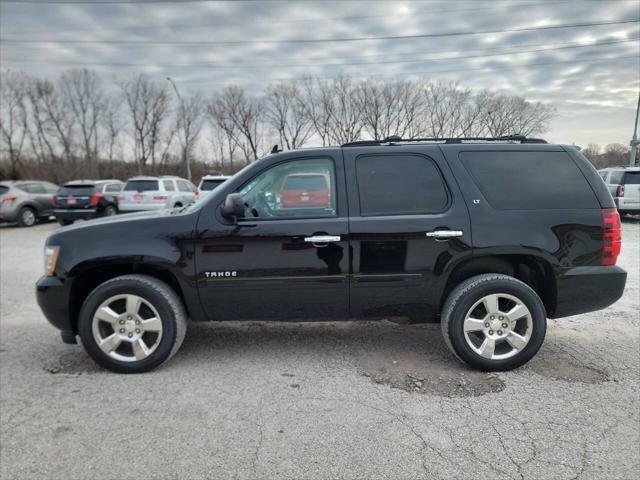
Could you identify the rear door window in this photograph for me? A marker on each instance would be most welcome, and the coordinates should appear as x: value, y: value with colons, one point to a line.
x: 141, y: 186
x: 113, y: 187
x: 168, y: 185
x: 402, y: 184
x: 210, y: 184
x: 512, y: 180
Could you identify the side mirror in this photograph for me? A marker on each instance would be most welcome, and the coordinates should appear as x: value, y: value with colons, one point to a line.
x: 233, y: 207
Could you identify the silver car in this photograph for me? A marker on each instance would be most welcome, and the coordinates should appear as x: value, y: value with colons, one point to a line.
x: 26, y: 201
x: 155, y: 193
x: 624, y: 186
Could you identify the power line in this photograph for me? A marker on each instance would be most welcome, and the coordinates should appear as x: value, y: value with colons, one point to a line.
x: 309, y: 20
x: 319, y: 40
x: 493, y: 53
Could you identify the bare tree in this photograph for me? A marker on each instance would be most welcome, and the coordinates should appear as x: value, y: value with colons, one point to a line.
x: 224, y: 131
x: 51, y: 129
x: 505, y: 115
x: 286, y: 112
x: 113, y: 124
x: 343, y: 104
x: 13, y: 117
x: 84, y: 96
x: 148, y: 104
x: 243, y: 113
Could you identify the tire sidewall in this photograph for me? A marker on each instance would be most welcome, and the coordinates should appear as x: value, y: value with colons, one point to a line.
x: 511, y: 287
x: 109, y: 208
x: 21, y: 213
x: 126, y: 286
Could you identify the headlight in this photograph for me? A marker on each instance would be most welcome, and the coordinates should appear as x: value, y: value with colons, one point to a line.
x: 50, y: 260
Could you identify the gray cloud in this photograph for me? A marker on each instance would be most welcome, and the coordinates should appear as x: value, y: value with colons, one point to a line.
x: 589, y: 94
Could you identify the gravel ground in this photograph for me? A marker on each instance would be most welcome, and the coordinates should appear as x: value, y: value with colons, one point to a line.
x: 322, y: 400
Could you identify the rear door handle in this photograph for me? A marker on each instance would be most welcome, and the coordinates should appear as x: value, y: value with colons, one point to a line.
x: 322, y: 239
x: 444, y: 234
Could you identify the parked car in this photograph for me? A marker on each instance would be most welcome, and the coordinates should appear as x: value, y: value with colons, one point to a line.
x: 624, y: 186
x: 86, y: 199
x: 208, y: 183
x: 26, y: 201
x: 156, y: 193
x: 490, y: 238
x: 303, y: 190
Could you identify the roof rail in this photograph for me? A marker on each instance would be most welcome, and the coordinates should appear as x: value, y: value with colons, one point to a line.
x: 449, y: 140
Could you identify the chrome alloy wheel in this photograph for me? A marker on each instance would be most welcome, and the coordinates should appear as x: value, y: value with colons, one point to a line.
x: 498, y: 326
x: 28, y: 217
x: 127, y: 328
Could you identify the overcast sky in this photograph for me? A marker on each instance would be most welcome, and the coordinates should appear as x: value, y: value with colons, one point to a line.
x: 591, y: 73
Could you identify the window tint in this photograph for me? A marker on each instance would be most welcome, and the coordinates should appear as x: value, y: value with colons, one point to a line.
x: 399, y: 185
x: 616, y: 177
x: 3, y: 189
x: 33, y: 188
x: 113, y: 187
x: 529, y: 180
x: 274, y: 193
x: 82, y: 190
x: 141, y: 186
x: 50, y: 187
x: 168, y: 185
x: 207, y: 185
x: 632, y: 178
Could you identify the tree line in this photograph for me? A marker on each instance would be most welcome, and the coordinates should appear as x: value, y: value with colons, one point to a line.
x: 77, y: 125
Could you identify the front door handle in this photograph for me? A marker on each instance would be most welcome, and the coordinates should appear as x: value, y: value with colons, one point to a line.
x: 444, y: 234
x: 322, y: 239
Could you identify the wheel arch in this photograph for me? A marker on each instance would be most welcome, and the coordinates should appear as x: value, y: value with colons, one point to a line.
x: 86, y: 277
x: 530, y: 269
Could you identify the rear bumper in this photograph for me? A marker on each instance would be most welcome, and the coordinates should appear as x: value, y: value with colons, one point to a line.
x: 141, y: 207
x: 586, y: 289
x: 77, y: 214
x: 53, y: 298
x: 626, y: 206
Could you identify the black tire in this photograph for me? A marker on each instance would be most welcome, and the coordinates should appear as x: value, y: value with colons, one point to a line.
x: 177, y: 205
x: 64, y: 222
x: 109, y: 211
x: 27, y: 217
x: 163, y: 298
x: 463, y: 298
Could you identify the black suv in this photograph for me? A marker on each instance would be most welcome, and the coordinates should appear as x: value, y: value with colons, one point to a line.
x: 490, y: 237
x: 86, y: 199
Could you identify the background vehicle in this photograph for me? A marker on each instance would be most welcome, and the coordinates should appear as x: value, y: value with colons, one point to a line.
x: 394, y: 240
x: 26, y: 201
x: 302, y: 190
x: 208, y: 183
x: 156, y: 193
x: 86, y: 199
x: 624, y: 186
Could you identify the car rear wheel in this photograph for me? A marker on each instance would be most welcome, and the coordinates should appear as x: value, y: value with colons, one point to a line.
x: 109, y: 210
x: 132, y: 324
x: 494, y: 322
x: 27, y: 217
x: 64, y: 222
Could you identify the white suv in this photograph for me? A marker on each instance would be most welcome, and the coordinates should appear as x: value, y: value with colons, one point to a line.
x: 208, y: 183
x: 624, y: 186
x: 155, y: 193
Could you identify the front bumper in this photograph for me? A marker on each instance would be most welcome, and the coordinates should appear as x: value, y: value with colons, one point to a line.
x: 53, y: 298
x: 587, y: 289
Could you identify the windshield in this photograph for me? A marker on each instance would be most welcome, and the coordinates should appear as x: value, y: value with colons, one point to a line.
x: 141, y: 186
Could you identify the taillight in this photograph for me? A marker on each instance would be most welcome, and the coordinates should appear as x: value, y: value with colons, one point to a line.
x: 160, y: 197
x: 9, y: 199
x: 620, y: 191
x: 197, y: 194
x: 612, y: 236
x: 95, y: 199
x: 54, y: 201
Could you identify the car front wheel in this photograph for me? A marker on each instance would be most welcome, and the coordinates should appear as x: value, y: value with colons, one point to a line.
x: 494, y: 322
x: 132, y: 323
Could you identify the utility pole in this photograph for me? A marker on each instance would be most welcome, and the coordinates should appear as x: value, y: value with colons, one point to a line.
x: 634, y: 140
x: 185, y: 154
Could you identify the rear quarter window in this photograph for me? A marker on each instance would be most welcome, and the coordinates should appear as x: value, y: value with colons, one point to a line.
x: 512, y: 180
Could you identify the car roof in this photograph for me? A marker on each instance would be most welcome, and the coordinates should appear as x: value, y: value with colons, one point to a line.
x: 215, y: 177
